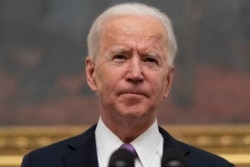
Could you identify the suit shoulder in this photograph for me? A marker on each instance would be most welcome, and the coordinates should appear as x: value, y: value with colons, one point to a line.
x: 71, y: 142
x: 195, y: 156
x: 57, y: 147
x: 53, y: 153
x: 200, y: 157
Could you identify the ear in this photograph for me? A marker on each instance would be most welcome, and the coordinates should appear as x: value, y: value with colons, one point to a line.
x: 90, y: 73
x: 169, y: 82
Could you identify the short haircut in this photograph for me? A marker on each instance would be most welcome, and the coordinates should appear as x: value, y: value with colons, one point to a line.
x: 136, y: 9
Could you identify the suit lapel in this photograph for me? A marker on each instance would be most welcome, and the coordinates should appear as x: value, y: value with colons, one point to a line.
x: 82, y: 151
x: 171, y: 143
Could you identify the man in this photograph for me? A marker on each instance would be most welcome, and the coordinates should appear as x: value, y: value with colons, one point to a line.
x: 130, y: 67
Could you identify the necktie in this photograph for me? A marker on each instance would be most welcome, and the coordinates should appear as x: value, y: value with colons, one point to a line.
x: 130, y: 148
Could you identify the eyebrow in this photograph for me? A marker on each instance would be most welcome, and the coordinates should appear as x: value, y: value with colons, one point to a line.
x: 119, y: 49
x: 125, y: 49
x: 152, y: 54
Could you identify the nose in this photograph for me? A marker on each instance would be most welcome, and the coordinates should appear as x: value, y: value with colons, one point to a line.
x: 135, y: 71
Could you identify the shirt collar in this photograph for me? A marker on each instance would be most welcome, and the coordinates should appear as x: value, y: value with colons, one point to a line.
x: 106, y: 141
x: 147, y: 145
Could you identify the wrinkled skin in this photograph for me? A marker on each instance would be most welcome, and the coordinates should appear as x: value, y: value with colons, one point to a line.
x: 131, y: 74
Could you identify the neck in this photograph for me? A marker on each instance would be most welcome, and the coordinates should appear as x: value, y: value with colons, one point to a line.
x: 128, y: 129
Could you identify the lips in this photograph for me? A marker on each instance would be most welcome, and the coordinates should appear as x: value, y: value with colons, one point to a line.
x: 141, y: 93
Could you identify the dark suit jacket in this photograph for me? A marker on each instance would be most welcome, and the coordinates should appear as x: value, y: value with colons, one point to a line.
x: 80, y: 151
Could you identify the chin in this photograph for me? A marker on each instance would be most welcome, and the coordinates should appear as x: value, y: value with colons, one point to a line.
x: 134, y: 113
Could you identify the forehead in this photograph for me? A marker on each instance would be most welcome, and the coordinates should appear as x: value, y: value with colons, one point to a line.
x: 144, y: 24
x: 131, y: 27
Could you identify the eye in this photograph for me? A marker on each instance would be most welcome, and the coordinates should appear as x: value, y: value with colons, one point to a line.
x: 119, y: 56
x: 150, y: 60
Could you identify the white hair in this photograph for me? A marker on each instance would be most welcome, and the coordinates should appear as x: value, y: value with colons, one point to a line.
x: 136, y: 9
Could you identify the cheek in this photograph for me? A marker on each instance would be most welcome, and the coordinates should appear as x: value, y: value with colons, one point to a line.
x: 159, y: 85
x: 105, y: 80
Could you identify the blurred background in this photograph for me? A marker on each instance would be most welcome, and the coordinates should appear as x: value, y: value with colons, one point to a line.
x: 43, y: 46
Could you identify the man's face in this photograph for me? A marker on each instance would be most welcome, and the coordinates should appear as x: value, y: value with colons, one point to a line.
x: 131, y: 73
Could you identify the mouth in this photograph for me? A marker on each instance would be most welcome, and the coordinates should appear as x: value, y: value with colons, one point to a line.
x: 131, y: 93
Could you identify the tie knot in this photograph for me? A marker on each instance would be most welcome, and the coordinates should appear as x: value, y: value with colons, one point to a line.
x: 130, y: 148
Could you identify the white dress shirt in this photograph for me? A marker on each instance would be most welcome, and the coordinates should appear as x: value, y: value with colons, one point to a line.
x: 149, y: 145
